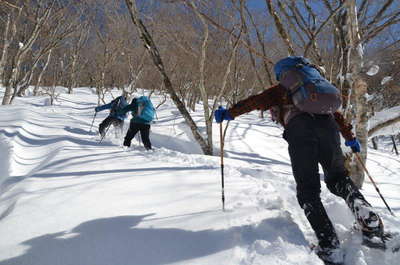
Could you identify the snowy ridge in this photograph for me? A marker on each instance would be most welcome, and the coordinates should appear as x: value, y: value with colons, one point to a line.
x: 69, y: 200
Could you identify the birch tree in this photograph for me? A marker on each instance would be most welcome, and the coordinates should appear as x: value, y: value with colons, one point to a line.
x: 42, y: 15
x: 155, y: 55
x: 12, y: 14
x: 56, y: 30
x: 79, y: 40
x: 204, y: 140
x: 354, y: 25
x: 46, y: 63
x: 356, y: 37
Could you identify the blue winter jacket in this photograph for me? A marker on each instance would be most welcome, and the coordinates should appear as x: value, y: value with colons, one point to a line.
x: 116, y: 105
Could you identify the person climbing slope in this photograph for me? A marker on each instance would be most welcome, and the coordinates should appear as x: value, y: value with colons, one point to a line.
x: 143, y: 114
x: 114, y: 118
x: 306, y: 105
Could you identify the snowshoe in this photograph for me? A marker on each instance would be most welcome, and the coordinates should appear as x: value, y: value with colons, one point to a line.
x: 371, y: 226
x: 374, y: 242
x: 378, y: 239
x: 392, y: 241
x: 372, y: 231
x: 368, y: 222
x: 387, y: 242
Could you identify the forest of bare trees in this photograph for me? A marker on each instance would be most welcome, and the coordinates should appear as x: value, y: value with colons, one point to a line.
x: 201, y: 51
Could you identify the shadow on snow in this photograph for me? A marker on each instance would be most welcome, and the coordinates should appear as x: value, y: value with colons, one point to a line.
x: 118, y: 241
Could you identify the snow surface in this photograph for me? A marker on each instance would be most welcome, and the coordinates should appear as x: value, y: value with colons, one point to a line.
x: 66, y: 199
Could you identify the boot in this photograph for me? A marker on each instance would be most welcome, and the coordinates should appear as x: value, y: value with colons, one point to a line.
x: 330, y: 255
x: 127, y: 143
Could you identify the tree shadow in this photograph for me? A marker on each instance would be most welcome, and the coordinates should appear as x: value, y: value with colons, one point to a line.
x: 4, y: 213
x: 118, y: 241
x: 41, y: 140
x: 80, y: 131
x: 117, y: 171
x: 254, y: 158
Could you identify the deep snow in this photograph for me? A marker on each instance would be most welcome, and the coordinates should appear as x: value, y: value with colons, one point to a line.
x: 68, y: 200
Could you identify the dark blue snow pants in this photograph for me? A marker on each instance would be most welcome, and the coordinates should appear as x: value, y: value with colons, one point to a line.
x: 314, y: 139
x: 144, y: 130
x: 104, y: 125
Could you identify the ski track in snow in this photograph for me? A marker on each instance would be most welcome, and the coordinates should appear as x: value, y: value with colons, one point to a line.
x: 66, y: 199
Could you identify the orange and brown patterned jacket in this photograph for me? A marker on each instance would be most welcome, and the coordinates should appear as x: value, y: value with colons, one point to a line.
x: 276, y: 98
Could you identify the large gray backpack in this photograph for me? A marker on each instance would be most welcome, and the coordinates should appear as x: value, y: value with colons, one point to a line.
x: 309, y: 90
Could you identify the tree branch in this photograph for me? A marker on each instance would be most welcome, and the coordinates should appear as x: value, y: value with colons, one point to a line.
x: 222, y: 28
x: 382, y: 125
x: 10, y: 5
x: 380, y: 13
x: 281, y: 29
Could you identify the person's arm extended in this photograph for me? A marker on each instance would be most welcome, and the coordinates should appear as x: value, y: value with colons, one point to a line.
x: 103, y: 107
x: 272, y: 96
x: 344, y: 127
x: 130, y: 107
x: 125, y: 109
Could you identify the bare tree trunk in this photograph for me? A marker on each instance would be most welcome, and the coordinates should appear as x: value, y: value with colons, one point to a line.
x: 281, y: 29
x: 82, y: 37
x: 9, y: 35
x: 3, y: 59
x: 202, y: 82
x: 374, y: 143
x: 361, y: 120
x: 249, y: 43
x: 52, y: 90
x: 155, y: 55
x: 343, y: 61
x: 11, y: 88
x: 136, y: 73
x: 394, y: 144
x: 359, y: 87
x: 36, y: 89
x: 384, y: 124
x: 72, y: 81
x: 26, y: 80
x: 7, y: 41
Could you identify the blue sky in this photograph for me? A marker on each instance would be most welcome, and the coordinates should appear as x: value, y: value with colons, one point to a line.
x: 256, y: 3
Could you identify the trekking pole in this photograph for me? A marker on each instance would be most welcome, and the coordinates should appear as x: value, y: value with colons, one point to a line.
x: 104, y: 135
x: 221, y: 139
x: 94, y: 117
x: 373, y: 182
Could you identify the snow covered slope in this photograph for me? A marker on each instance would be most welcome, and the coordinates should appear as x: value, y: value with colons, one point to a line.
x: 66, y: 199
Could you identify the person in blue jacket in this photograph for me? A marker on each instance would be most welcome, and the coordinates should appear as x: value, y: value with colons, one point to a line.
x: 143, y: 113
x: 115, y: 118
